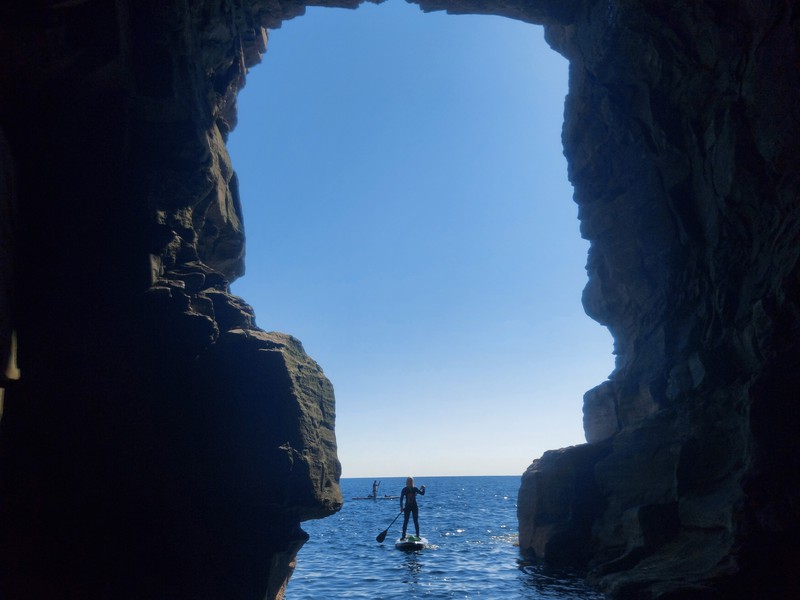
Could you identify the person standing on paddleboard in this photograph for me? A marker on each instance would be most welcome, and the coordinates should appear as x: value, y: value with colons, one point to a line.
x: 408, y: 504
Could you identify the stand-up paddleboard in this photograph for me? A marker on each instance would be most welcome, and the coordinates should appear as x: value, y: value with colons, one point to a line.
x: 376, y: 498
x: 411, y: 542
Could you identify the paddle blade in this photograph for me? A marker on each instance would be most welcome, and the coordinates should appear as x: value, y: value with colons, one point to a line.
x: 381, y: 536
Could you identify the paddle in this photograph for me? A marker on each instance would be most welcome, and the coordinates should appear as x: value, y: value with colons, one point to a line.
x: 382, y: 535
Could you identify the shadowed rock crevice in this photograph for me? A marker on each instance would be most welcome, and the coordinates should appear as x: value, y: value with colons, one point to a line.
x: 159, y: 444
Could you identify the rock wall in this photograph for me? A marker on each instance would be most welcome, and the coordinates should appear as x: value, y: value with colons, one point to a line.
x: 159, y: 444
x: 681, y: 133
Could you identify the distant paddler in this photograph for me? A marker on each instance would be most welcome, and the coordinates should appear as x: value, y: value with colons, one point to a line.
x: 375, y: 485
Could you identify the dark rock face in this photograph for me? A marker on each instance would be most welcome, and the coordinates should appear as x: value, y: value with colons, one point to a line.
x: 560, y: 503
x: 158, y: 444
x: 681, y: 133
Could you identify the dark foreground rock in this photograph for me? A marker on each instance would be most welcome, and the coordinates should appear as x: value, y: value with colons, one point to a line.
x: 681, y: 133
x: 160, y: 445
x: 559, y: 503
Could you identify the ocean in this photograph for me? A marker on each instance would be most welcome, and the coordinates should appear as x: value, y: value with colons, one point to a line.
x: 471, y: 527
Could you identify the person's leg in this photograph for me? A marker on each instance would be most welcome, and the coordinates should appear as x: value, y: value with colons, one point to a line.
x: 406, y: 514
x: 415, y: 511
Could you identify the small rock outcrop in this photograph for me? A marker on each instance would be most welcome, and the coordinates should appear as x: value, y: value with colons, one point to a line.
x: 159, y: 444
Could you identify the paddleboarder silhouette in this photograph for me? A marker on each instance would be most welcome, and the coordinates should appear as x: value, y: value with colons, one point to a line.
x: 408, y: 504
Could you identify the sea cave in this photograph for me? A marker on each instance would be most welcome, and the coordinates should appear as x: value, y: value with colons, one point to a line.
x: 142, y: 403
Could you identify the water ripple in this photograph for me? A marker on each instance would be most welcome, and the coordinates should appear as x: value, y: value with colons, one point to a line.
x: 470, y: 523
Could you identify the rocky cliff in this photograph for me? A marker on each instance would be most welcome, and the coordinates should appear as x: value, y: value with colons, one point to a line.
x: 159, y: 444
x: 681, y: 133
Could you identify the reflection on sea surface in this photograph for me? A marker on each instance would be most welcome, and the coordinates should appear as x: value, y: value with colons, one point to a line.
x: 414, y: 567
x: 552, y: 583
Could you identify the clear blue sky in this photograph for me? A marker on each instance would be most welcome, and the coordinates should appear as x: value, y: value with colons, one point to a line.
x: 409, y: 219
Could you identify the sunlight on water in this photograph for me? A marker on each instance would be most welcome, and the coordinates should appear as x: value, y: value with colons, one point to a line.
x: 471, y: 526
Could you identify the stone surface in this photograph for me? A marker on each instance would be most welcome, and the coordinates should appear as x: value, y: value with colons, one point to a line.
x: 600, y: 412
x: 154, y: 420
x: 680, y: 134
x: 559, y: 501
x: 158, y: 445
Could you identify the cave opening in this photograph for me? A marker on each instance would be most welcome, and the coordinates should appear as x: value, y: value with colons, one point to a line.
x: 409, y: 219
x: 148, y: 394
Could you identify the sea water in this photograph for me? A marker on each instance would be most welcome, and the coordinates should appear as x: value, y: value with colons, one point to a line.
x: 471, y: 527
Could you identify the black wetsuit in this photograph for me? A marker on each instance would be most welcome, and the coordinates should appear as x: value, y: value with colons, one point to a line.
x: 411, y: 508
